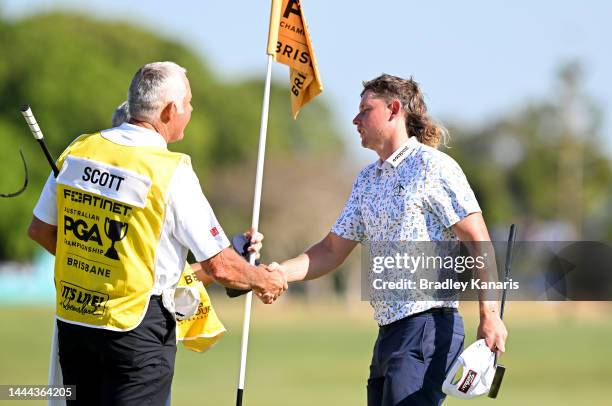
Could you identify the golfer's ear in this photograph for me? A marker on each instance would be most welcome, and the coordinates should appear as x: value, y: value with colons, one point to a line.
x: 168, y: 112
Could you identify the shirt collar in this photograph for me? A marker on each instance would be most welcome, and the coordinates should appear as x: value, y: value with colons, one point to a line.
x: 398, y: 156
x: 134, y: 136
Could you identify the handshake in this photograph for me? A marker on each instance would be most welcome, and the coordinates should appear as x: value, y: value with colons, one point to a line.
x: 271, y: 284
x: 268, y: 282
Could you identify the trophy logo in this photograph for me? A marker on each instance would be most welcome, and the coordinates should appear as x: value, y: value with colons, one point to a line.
x: 116, y: 231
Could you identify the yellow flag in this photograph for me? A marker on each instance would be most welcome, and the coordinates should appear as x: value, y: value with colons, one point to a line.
x: 289, y: 43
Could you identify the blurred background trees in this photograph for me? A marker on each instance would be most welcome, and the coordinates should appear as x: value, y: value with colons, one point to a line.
x: 74, y: 71
x: 544, y: 166
x: 541, y: 165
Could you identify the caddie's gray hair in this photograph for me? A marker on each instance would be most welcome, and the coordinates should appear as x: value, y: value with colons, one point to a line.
x: 153, y: 87
x: 121, y: 114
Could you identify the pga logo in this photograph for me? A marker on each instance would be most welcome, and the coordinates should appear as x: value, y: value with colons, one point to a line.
x: 81, y: 230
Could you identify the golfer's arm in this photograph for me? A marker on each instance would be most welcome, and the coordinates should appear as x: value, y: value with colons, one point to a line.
x: 320, y: 259
x: 44, y: 234
x: 472, y: 230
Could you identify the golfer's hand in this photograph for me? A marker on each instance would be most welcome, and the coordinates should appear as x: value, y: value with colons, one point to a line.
x: 275, y: 283
x: 256, y: 239
x: 492, y: 329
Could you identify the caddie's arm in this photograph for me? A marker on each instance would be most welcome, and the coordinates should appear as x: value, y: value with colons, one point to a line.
x: 44, y: 234
x: 201, y: 274
x: 231, y: 270
x: 255, y: 238
x: 319, y: 260
x: 471, y: 229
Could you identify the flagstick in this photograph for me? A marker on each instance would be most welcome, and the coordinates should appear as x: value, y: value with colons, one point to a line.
x: 255, y: 225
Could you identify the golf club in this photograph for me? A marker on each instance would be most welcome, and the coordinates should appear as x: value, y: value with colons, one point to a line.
x: 37, y: 133
x: 500, y: 370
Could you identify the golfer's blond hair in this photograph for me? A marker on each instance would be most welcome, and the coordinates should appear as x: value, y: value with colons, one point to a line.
x: 407, y: 91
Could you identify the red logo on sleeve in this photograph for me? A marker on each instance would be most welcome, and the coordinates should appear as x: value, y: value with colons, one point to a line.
x: 214, y: 231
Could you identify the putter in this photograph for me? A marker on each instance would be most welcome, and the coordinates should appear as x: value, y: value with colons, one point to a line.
x: 500, y: 370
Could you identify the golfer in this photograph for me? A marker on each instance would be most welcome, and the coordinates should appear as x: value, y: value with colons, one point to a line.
x: 413, y: 192
x: 120, y: 219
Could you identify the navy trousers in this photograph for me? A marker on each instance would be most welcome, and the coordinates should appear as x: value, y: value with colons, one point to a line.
x: 411, y: 357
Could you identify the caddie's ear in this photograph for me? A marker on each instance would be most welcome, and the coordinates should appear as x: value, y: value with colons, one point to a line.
x: 396, y: 109
x: 168, y: 113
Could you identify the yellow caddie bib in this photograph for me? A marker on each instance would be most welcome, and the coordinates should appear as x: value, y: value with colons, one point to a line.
x: 111, y: 202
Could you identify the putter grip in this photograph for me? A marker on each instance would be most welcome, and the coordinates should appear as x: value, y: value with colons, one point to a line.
x: 500, y: 370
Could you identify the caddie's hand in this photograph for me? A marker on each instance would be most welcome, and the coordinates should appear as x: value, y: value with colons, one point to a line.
x: 255, y: 238
x: 274, y: 284
x: 493, y: 330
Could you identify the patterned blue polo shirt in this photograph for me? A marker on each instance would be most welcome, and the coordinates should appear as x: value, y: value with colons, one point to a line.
x: 417, y: 194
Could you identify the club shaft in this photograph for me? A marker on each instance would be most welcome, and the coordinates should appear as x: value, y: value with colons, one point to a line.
x: 43, y: 146
x: 509, y: 250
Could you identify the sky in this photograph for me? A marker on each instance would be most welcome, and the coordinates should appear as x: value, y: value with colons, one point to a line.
x: 475, y: 60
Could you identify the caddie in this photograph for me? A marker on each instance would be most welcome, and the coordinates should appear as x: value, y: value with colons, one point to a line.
x: 413, y: 192
x: 120, y: 219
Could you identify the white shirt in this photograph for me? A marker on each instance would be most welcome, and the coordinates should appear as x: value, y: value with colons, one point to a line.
x: 189, y: 223
x: 417, y: 194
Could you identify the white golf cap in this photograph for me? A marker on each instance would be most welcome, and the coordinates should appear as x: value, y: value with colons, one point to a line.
x: 478, y: 370
x: 186, y: 301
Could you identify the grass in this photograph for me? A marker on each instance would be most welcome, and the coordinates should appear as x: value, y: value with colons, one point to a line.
x: 319, y: 355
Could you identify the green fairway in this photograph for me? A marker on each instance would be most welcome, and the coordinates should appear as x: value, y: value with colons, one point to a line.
x: 319, y: 355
